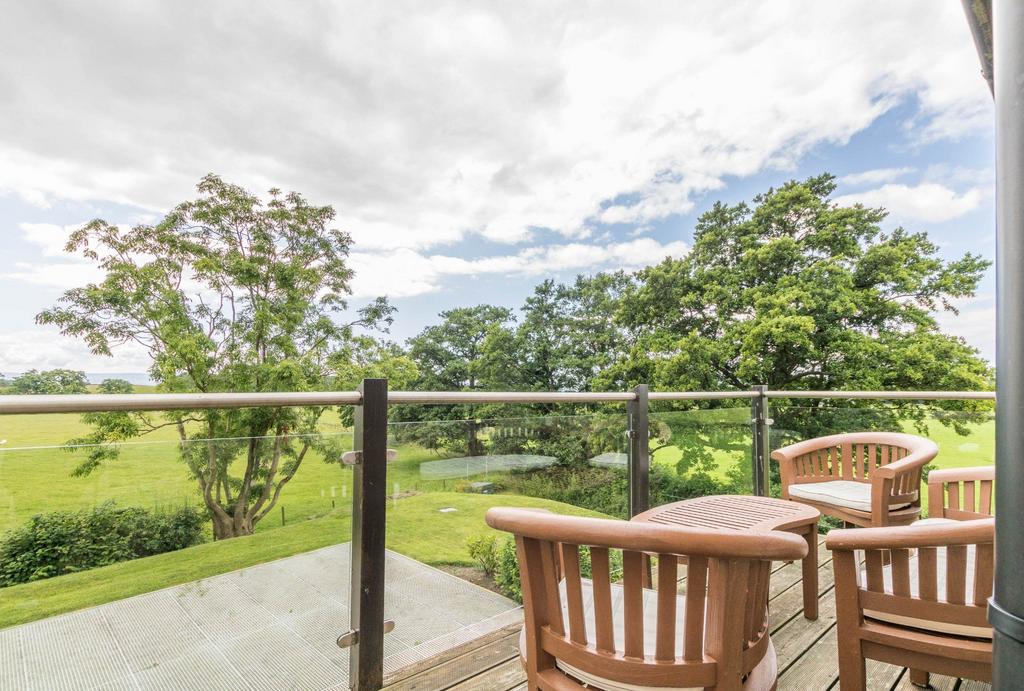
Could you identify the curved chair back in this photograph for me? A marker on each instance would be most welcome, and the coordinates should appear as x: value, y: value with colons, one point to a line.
x: 961, y: 494
x: 611, y: 629
x: 919, y: 600
x: 855, y: 455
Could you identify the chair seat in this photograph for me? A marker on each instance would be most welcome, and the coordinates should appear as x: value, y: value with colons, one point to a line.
x: 650, y: 635
x: 940, y: 564
x: 846, y: 494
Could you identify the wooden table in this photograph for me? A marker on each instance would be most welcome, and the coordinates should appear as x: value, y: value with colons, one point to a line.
x: 739, y: 512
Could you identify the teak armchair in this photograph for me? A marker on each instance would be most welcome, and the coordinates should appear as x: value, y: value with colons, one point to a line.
x: 961, y: 494
x: 920, y: 601
x: 863, y: 478
x: 597, y: 633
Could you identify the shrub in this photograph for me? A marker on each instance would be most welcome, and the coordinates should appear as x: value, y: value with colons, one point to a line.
x: 63, y: 542
x: 496, y: 555
x: 483, y: 549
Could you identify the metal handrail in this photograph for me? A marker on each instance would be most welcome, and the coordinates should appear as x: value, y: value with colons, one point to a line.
x: 91, y: 403
x: 890, y: 395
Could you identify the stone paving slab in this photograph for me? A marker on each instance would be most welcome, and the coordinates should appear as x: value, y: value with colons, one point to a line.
x: 271, y: 626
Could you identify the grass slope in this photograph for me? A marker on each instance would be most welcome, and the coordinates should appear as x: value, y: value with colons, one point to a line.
x: 415, y: 528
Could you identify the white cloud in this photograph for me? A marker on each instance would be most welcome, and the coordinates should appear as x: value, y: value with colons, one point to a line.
x: 63, y: 275
x: 976, y: 323
x: 50, y: 237
x: 928, y: 202
x: 45, y: 348
x: 424, y: 122
x: 874, y: 177
x: 406, y: 272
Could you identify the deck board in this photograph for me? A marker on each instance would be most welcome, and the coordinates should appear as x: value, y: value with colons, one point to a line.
x: 806, y: 650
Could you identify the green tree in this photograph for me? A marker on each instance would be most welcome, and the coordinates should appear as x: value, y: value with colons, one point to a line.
x: 53, y: 381
x: 797, y: 292
x: 226, y: 293
x: 454, y: 355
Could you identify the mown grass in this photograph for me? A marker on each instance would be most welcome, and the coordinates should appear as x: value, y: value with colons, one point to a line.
x: 36, y: 480
x: 416, y: 527
x: 316, y: 505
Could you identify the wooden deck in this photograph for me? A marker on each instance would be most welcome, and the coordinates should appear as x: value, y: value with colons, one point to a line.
x: 806, y: 650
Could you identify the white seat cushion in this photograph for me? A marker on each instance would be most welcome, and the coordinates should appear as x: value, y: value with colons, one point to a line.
x: 650, y: 635
x: 940, y: 568
x: 846, y: 494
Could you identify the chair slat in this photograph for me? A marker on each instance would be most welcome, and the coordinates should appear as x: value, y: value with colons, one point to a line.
x: 693, y: 616
x: 969, y: 504
x: 927, y: 574
x: 872, y: 458
x: 549, y: 560
x: 873, y: 564
x: 953, y: 496
x: 574, y: 593
x: 847, y: 462
x: 956, y: 574
x: 755, y: 614
x: 665, y: 643
x: 983, y: 558
x: 883, y: 454
x: 604, y: 630
x: 901, y: 572
x: 985, y: 502
x: 861, y: 455
x: 633, y: 602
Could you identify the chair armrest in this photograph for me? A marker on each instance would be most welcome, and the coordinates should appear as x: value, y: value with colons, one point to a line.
x: 947, y: 475
x: 912, y: 536
x: 902, y: 466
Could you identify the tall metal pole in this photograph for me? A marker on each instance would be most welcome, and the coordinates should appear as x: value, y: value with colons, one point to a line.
x: 639, y: 452
x: 760, y: 448
x: 369, y: 506
x: 1006, y: 607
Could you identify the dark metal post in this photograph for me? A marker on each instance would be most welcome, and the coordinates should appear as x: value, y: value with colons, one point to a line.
x: 1006, y: 607
x: 760, y: 449
x: 369, y: 504
x: 639, y: 452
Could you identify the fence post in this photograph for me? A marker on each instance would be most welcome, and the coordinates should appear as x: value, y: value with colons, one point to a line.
x: 759, y: 453
x: 639, y: 452
x: 369, y: 504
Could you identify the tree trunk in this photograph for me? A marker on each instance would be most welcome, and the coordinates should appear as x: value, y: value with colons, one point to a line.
x: 225, y: 527
x: 474, y: 446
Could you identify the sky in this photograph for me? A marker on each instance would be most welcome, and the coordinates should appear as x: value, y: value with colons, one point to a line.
x: 473, y: 149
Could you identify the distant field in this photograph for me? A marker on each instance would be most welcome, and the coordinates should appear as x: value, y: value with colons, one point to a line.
x: 35, y: 480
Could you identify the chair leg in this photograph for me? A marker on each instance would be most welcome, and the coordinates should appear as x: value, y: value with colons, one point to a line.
x: 852, y: 676
x: 919, y: 678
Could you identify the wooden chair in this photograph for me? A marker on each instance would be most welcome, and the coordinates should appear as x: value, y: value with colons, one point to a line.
x: 919, y: 602
x: 863, y: 478
x: 600, y: 633
x: 961, y: 494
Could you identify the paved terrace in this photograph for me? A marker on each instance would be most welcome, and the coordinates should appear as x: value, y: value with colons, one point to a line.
x: 272, y: 626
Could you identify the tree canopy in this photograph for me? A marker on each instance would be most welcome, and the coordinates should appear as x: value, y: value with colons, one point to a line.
x: 798, y: 292
x: 226, y: 293
x: 53, y: 381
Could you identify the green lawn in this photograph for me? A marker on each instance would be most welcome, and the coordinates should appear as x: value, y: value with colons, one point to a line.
x: 34, y: 480
x: 416, y: 527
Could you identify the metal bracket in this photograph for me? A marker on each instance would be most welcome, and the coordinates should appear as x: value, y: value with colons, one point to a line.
x: 350, y: 638
x: 356, y: 457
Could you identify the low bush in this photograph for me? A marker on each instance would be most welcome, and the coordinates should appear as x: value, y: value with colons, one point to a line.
x: 496, y: 555
x: 63, y: 542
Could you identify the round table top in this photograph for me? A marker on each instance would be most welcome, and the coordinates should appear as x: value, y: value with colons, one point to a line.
x: 733, y: 512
